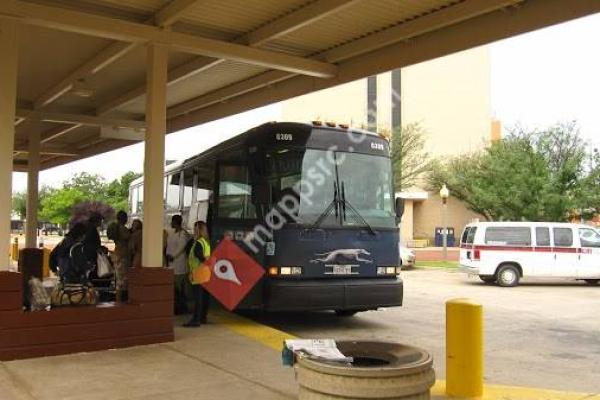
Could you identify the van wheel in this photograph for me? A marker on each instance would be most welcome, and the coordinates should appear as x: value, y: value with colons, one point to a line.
x: 487, y: 279
x: 508, y: 276
x: 592, y: 282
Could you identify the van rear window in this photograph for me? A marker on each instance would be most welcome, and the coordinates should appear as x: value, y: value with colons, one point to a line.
x: 468, y: 235
x: 508, y: 236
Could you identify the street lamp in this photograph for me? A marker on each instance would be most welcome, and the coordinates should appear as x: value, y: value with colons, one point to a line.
x: 444, y: 194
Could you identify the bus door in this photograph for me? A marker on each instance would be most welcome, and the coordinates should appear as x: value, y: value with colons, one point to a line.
x: 236, y: 216
x: 194, y: 200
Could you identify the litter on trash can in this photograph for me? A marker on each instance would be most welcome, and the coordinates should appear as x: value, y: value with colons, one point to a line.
x: 319, y: 349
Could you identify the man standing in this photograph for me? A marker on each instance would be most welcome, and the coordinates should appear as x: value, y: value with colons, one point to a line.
x: 120, y: 234
x: 199, y: 274
x: 177, y: 260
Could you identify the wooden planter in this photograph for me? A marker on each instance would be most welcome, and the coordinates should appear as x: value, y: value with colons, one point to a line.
x: 146, y: 319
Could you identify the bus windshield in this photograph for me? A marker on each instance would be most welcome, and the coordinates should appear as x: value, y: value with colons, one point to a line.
x: 363, y: 181
x: 366, y: 183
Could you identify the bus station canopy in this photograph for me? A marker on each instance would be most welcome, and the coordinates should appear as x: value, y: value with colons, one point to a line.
x: 82, y: 63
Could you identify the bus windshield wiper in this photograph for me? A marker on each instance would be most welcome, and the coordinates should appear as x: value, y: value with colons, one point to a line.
x: 334, y: 205
x: 345, y: 204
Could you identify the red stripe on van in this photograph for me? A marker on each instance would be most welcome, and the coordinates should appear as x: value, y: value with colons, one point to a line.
x: 531, y: 249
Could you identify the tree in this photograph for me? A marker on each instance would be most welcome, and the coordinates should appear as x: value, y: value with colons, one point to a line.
x: 117, y: 191
x: 57, y: 206
x: 92, y: 186
x: 529, y: 175
x: 410, y: 161
x: 83, y: 194
x: 19, y: 201
x: 19, y: 204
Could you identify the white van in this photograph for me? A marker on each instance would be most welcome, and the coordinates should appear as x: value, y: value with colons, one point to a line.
x: 505, y: 252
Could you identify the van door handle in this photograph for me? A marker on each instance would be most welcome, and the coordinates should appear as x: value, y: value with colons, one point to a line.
x: 555, y: 256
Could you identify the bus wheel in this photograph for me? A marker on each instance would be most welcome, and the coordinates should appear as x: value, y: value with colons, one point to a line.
x: 508, y: 276
x: 487, y: 279
x: 345, y: 313
x: 592, y: 282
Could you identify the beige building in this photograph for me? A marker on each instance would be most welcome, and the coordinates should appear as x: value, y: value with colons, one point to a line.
x: 449, y: 97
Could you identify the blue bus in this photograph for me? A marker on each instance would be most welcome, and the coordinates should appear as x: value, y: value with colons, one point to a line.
x: 311, y: 203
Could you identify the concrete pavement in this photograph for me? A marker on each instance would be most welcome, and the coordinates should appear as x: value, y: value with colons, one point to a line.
x: 231, y: 358
x: 542, y: 334
x: 212, y: 362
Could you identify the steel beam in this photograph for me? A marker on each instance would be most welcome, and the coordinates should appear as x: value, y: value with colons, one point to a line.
x: 477, y: 31
x: 118, y: 29
x: 294, y: 20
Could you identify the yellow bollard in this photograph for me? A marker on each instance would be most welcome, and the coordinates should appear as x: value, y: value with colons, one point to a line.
x: 15, y: 250
x: 46, y: 263
x: 464, y: 348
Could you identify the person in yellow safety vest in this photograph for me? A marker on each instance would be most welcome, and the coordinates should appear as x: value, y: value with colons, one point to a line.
x: 199, y: 273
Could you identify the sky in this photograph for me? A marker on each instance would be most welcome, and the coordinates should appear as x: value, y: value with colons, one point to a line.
x: 549, y: 75
x: 537, y: 79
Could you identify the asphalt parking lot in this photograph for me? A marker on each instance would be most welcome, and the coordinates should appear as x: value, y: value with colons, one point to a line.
x: 543, y: 334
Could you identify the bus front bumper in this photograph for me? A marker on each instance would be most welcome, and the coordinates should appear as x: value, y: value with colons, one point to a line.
x: 333, y: 294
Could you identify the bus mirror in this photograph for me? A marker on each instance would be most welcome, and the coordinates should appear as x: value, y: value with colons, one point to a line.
x: 399, y: 207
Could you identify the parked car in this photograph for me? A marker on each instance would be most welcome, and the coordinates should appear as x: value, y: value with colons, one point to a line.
x: 506, y: 252
x: 408, y: 257
x: 49, y: 228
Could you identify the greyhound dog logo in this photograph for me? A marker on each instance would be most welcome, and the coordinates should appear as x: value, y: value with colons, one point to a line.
x: 346, y: 254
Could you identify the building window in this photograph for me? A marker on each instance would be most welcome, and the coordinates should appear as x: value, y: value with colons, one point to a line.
x: 396, y: 100
x: 372, y: 103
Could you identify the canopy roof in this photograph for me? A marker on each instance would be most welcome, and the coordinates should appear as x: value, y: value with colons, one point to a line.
x: 82, y: 62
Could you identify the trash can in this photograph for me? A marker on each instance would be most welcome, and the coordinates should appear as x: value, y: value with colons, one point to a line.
x: 439, y: 237
x: 379, y: 370
x: 451, y: 239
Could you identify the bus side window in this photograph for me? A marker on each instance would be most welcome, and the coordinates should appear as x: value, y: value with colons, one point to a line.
x: 188, y: 188
x: 133, y: 199
x: 140, y: 199
x: 172, y: 202
x: 235, y: 193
